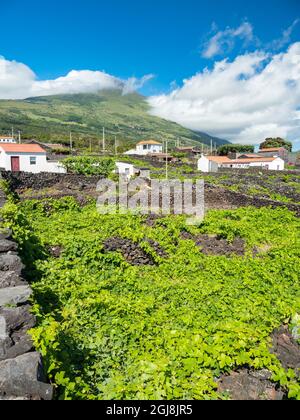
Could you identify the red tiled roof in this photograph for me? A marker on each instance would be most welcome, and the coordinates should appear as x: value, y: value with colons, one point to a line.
x: 257, y: 160
x: 22, y: 148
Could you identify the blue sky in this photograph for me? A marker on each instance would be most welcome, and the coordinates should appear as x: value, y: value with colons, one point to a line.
x: 126, y: 38
x: 228, y: 67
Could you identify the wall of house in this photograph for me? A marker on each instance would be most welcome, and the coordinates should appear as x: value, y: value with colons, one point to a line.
x: 42, y: 165
x: 151, y: 148
x: 7, y: 140
x: 276, y: 165
x: 206, y: 165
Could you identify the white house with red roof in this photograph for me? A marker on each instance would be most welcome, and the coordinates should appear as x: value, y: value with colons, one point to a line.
x: 214, y: 163
x: 146, y: 147
x: 27, y: 158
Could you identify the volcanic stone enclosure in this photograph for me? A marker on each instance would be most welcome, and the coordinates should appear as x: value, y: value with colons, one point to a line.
x: 21, y: 369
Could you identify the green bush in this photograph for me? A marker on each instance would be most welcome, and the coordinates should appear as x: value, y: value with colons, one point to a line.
x: 86, y: 165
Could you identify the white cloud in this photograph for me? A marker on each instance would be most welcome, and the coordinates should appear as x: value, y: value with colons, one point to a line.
x: 285, y: 39
x: 18, y: 81
x: 255, y: 96
x: 133, y: 84
x: 224, y: 41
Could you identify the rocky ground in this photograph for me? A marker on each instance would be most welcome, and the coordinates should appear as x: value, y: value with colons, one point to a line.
x: 246, y: 384
x: 132, y: 252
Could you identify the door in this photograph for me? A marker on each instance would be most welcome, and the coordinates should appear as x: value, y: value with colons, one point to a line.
x: 15, y: 164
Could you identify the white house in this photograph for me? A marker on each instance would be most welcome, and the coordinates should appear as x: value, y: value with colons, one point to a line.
x: 27, y: 158
x: 7, y: 139
x: 125, y: 169
x: 147, y: 147
x: 213, y: 163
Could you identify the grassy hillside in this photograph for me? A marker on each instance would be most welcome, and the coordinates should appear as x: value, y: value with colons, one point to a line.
x: 52, y: 118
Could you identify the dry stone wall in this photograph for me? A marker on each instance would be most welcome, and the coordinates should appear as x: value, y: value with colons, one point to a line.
x: 21, y: 370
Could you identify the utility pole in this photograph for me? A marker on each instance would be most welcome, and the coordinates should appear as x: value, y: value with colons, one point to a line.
x: 211, y: 146
x: 71, y: 141
x: 12, y: 132
x: 90, y: 145
x: 116, y: 146
x: 167, y: 167
x: 103, y: 140
x: 19, y: 137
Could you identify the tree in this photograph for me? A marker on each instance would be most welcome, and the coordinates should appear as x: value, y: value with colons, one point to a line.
x: 270, y: 143
x: 235, y: 148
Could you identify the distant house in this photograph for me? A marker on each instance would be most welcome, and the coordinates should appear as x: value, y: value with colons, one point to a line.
x: 144, y: 148
x: 126, y: 169
x: 281, y: 152
x: 7, y: 139
x: 214, y: 163
x: 189, y: 151
x: 27, y: 158
x: 163, y: 157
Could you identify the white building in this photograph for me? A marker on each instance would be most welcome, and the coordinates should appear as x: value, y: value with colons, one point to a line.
x: 213, y: 163
x: 27, y: 158
x: 7, y: 139
x: 145, y: 148
x: 125, y: 169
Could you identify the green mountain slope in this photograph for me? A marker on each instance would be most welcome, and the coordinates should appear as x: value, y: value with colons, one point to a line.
x: 51, y: 119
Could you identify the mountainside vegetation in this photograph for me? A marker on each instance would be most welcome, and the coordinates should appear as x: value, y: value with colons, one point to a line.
x: 50, y: 119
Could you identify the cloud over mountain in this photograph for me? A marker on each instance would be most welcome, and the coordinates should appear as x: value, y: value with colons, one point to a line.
x: 18, y: 81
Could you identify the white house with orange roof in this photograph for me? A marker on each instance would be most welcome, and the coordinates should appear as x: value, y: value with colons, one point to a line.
x: 27, y: 158
x: 146, y: 147
x: 214, y: 163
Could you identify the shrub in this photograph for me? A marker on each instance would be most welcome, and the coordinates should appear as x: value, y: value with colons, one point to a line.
x: 86, y: 165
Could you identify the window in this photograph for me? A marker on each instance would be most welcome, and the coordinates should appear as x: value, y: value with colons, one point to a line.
x: 32, y: 160
x: 145, y: 147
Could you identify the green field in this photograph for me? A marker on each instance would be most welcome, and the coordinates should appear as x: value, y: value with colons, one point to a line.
x: 109, y: 329
x: 51, y: 119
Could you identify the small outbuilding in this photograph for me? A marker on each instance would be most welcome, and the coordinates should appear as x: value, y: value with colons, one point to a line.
x: 27, y: 158
x: 126, y: 169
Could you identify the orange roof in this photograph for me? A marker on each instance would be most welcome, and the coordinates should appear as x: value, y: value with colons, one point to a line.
x: 274, y: 149
x: 151, y: 142
x: 22, y: 148
x: 6, y: 137
x: 219, y: 159
x: 224, y: 160
x: 249, y: 160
